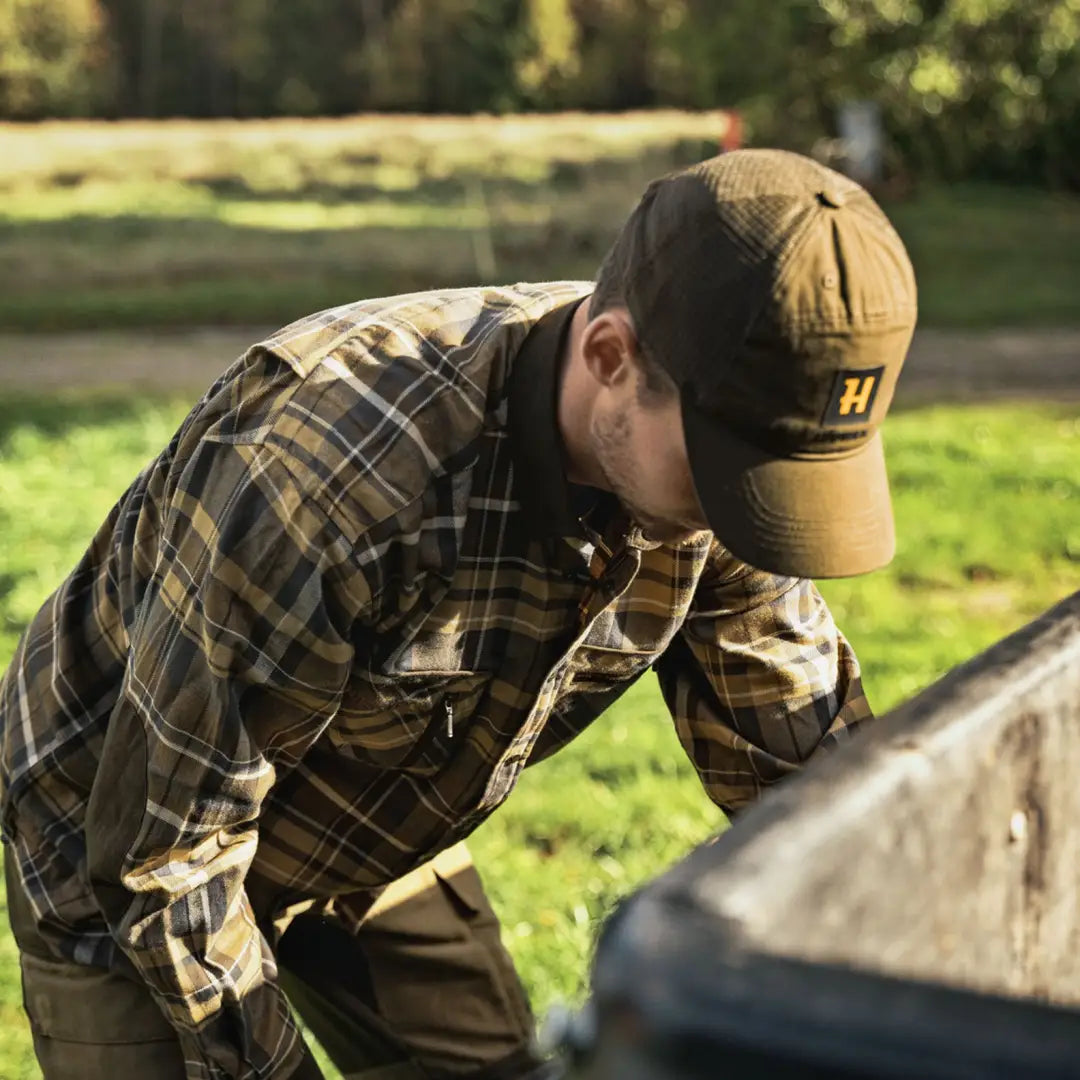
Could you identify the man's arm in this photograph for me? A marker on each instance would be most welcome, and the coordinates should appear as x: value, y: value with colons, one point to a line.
x: 237, y: 660
x: 758, y: 679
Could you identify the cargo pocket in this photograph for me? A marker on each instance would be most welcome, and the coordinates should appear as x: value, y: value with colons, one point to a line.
x: 442, y: 980
x: 82, y: 1004
x: 96, y: 1025
x: 464, y: 891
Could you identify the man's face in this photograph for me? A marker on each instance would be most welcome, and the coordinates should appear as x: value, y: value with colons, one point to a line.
x: 638, y: 441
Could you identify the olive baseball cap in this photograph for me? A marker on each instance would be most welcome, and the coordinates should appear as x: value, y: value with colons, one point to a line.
x: 781, y: 301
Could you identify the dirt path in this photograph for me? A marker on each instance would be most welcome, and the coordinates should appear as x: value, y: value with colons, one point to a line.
x: 943, y: 365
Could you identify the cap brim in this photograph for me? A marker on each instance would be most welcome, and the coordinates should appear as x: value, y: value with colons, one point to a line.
x: 806, y: 517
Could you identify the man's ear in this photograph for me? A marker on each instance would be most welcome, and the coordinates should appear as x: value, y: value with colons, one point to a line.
x: 608, y: 347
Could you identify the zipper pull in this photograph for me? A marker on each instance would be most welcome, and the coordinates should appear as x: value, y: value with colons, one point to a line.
x: 448, y: 705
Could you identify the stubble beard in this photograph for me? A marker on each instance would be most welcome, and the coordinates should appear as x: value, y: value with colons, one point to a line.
x: 617, y: 468
x: 611, y: 441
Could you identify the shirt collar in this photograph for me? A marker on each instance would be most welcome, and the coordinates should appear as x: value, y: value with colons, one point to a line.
x: 552, y: 505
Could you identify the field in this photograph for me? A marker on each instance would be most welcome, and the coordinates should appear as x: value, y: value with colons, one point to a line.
x: 989, y: 536
x: 183, y: 224
x: 258, y: 223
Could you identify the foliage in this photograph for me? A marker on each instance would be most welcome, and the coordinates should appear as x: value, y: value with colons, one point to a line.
x: 53, y: 58
x: 986, y: 84
x: 987, y: 88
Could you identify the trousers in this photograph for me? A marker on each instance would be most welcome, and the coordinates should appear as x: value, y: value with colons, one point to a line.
x: 419, y: 985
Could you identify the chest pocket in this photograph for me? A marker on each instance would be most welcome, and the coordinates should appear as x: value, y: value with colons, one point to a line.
x: 411, y: 722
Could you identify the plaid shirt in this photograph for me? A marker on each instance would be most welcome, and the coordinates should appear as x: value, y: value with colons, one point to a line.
x: 321, y: 634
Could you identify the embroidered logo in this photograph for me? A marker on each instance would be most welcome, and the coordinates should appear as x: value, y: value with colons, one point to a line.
x: 853, y: 396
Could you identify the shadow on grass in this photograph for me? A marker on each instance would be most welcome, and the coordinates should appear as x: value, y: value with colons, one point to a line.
x: 91, y: 273
x: 496, y: 173
x: 53, y: 415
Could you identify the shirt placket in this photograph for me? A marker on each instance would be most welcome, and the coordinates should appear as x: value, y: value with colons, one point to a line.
x: 611, y: 573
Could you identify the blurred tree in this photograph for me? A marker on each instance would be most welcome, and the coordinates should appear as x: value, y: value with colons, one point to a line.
x: 54, y: 58
x: 986, y: 87
x: 548, y: 58
x: 763, y: 58
x: 446, y: 56
x: 160, y: 67
x: 617, y: 38
x: 967, y: 87
x: 314, y: 57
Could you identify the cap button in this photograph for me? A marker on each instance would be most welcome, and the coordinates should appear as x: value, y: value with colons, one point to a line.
x: 830, y: 196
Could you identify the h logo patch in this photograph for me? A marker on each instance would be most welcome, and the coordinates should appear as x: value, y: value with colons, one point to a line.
x: 853, y: 396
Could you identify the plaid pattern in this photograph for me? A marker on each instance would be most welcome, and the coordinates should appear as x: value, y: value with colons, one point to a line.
x: 322, y: 633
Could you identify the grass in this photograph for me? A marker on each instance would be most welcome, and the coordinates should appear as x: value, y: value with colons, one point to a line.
x: 313, y: 212
x: 989, y: 256
x: 989, y: 535
x: 138, y: 224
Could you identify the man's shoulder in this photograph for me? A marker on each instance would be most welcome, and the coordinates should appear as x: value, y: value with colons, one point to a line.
x: 387, y: 396
x: 416, y: 323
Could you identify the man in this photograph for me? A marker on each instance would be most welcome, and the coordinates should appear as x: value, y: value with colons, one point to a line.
x: 399, y: 551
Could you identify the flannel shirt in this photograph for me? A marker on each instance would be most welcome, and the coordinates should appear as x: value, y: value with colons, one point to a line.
x: 321, y: 634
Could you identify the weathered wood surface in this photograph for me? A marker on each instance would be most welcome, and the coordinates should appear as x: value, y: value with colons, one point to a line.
x: 945, y: 846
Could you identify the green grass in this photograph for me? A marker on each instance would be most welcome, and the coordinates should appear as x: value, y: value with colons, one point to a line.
x: 175, y: 223
x: 990, y: 256
x: 178, y: 223
x: 986, y: 502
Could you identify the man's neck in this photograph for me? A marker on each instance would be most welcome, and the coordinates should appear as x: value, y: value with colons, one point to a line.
x: 574, y: 403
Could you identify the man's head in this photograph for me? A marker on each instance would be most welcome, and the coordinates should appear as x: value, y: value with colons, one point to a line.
x: 625, y: 411
x: 743, y: 344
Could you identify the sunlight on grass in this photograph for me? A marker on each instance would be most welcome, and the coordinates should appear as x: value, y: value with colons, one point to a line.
x: 987, y: 506
x: 175, y: 202
x: 521, y: 146
x: 99, y: 220
x: 989, y: 536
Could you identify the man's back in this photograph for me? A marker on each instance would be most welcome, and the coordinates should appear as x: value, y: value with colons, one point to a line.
x: 350, y: 422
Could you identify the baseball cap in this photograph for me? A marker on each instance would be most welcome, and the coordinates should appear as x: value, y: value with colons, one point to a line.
x: 782, y: 303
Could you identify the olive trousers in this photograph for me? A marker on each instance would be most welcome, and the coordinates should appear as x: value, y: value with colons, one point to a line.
x: 416, y: 986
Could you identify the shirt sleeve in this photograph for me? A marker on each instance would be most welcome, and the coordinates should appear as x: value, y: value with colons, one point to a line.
x: 238, y: 655
x: 758, y: 678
